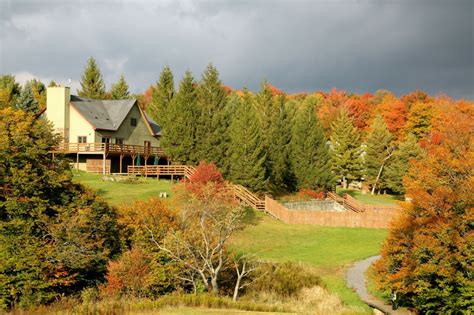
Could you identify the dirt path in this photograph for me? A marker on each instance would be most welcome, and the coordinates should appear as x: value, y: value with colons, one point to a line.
x: 356, y: 280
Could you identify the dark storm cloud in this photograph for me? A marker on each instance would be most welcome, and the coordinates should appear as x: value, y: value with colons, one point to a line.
x: 297, y: 45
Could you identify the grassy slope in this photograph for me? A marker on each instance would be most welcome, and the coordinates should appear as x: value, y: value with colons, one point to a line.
x: 329, y: 249
x: 371, y: 199
x: 120, y: 192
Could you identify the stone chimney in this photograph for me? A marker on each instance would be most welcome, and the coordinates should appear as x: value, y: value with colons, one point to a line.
x: 57, y: 109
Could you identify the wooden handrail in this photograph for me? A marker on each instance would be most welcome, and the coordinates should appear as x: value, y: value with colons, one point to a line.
x: 348, y: 202
x: 109, y: 148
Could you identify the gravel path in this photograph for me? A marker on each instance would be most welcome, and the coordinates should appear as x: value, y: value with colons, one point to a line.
x: 356, y: 280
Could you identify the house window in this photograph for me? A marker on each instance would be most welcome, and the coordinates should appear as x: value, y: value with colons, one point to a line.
x: 81, y: 139
x: 119, y: 141
x: 133, y: 122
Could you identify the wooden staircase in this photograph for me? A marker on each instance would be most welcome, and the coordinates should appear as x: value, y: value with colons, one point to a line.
x: 247, y: 197
x: 347, y: 201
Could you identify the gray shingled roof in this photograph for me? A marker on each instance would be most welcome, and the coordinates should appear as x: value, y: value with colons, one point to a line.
x: 103, y: 114
x: 154, y: 126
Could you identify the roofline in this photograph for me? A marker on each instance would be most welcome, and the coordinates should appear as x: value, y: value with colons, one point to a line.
x: 147, y: 123
x: 77, y: 111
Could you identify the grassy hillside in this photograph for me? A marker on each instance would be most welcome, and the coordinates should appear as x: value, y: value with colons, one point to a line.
x: 120, y: 192
x: 371, y: 199
x: 328, y: 249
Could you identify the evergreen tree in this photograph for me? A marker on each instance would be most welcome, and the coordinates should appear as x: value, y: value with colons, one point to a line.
x: 161, y: 97
x: 119, y: 90
x: 26, y: 101
x: 279, y: 139
x: 52, y: 83
x: 92, y: 84
x: 211, y: 131
x: 377, y: 152
x: 247, y: 155
x: 264, y: 105
x: 399, y: 163
x: 347, y: 161
x: 178, y: 139
x: 233, y: 103
x: 311, y: 158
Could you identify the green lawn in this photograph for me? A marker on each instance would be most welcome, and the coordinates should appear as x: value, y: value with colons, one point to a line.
x: 328, y: 249
x: 371, y: 199
x: 331, y: 250
x: 120, y: 192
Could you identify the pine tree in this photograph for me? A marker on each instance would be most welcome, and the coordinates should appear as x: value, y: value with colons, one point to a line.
x: 378, y: 151
x: 399, y: 163
x: 161, y: 97
x: 279, y: 140
x: 311, y: 158
x: 119, y: 90
x: 264, y: 105
x: 92, y: 84
x: 26, y: 101
x: 247, y: 155
x: 347, y: 161
x: 233, y: 103
x: 211, y: 131
x: 178, y: 139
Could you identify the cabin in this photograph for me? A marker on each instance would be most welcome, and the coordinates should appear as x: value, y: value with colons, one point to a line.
x: 103, y: 136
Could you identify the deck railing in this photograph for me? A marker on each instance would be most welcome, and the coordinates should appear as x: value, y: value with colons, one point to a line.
x: 128, y: 149
x: 178, y: 170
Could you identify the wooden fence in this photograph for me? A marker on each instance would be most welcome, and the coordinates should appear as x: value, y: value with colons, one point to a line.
x: 371, y: 217
x: 356, y: 214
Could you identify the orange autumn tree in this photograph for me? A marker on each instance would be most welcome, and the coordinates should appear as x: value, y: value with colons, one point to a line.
x: 428, y: 257
x: 394, y: 112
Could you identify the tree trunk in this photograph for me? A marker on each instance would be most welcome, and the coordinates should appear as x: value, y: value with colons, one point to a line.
x: 344, y: 182
x: 377, y: 179
x: 215, y: 288
x: 236, y: 289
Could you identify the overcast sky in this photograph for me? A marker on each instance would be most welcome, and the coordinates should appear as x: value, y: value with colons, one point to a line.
x: 359, y: 46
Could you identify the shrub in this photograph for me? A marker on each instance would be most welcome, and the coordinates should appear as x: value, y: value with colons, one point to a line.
x: 286, y: 279
x: 129, y: 275
x: 311, y: 194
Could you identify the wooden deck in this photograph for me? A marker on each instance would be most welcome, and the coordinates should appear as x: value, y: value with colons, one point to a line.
x: 109, y: 148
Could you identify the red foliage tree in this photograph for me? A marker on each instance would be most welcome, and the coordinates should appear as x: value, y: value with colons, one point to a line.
x: 129, y: 275
x: 359, y: 110
x: 394, y: 113
x: 329, y: 109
